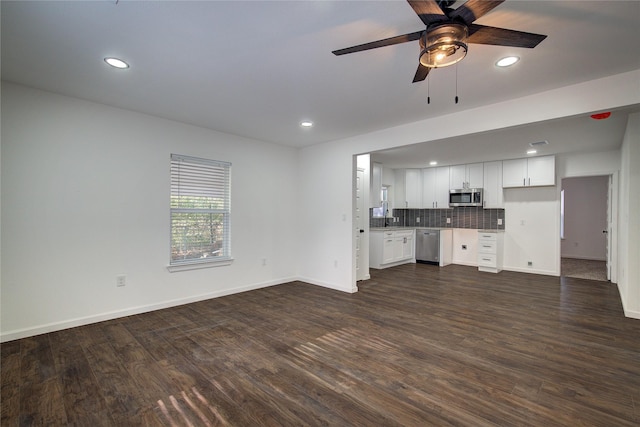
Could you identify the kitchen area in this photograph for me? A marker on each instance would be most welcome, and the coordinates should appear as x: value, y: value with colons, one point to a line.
x: 443, y: 215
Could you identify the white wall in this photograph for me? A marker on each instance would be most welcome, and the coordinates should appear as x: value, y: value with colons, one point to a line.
x: 85, y: 192
x: 532, y: 230
x: 326, y: 219
x: 629, y: 228
x: 585, y: 217
x: 469, y: 238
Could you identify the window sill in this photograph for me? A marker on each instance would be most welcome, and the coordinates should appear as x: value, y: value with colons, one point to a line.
x: 198, y: 265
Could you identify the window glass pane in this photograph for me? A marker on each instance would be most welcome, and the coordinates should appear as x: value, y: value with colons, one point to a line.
x: 197, y: 236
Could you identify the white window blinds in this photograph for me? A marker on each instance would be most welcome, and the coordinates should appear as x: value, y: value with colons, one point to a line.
x: 200, y: 210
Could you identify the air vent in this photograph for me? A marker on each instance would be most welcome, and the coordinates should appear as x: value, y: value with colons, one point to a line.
x: 538, y: 144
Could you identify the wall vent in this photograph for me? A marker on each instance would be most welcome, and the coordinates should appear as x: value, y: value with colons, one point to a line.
x: 538, y: 144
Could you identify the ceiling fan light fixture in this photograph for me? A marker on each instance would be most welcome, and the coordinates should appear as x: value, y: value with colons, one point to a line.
x: 507, y: 61
x: 443, y: 45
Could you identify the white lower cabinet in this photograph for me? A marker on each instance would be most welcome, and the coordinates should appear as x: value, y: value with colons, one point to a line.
x: 490, y: 253
x: 391, y: 247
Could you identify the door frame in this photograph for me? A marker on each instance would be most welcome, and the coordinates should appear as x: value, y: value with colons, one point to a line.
x: 612, y: 222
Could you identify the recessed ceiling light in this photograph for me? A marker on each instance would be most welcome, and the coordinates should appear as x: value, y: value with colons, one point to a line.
x: 507, y: 61
x: 306, y: 123
x: 530, y: 152
x: 116, y: 63
x: 433, y: 163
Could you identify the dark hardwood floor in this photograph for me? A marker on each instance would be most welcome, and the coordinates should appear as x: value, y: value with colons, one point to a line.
x: 418, y: 345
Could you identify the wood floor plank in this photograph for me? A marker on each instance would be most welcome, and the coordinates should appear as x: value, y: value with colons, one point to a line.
x: 42, y: 403
x: 10, y: 385
x: 81, y: 393
x: 417, y: 345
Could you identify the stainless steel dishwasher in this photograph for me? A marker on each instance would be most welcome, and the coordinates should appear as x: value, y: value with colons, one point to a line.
x: 428, y: 246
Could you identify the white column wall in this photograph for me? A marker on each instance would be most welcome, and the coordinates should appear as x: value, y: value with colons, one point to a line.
x: 629, y: 227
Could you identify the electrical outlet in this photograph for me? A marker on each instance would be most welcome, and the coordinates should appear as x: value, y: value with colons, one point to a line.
x: 418, y: 220
x: 499, y: 221
x: 121, y: 280
x: 448, y: 220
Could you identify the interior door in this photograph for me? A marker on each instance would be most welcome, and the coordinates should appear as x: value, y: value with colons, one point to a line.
x: 360, y: 218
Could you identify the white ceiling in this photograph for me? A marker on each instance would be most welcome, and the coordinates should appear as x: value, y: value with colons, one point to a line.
x: 256, y: 69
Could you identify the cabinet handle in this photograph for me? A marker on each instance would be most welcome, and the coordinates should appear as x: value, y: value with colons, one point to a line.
x: 529, y: 184
x: 524, y: 182
x: 486, y: 246
x: 405, y: 240
x: 486, y: 259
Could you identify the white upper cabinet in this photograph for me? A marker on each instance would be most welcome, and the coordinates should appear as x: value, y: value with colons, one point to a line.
x: 532, y: 172
x: 542, y: 171
x: 466, y: 176
x: 408, y: 188
x: 492, y: 185
x: 413, y: 188
x: 435, y: 187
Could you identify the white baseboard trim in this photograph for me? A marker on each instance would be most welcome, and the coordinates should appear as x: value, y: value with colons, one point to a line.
x: 329, y: 285
x: 87, y: 320
x: 585, y: 258
x: 632, y: 314
x: 462, y: 262
x: 627, y: 313
x: 532, y: 271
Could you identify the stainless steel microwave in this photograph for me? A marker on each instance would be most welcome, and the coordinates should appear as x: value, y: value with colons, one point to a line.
x: 465, y: 197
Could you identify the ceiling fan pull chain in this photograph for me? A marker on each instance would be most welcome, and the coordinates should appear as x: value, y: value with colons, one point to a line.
x: 456, y: 83
x: 428, y: 91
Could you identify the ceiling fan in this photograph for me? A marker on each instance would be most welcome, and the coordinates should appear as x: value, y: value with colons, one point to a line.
x: 448, y: 31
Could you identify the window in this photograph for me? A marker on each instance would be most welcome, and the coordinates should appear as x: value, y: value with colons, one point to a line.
x: 200, y: 212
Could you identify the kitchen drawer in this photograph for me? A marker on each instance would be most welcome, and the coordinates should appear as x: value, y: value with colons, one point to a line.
x: 404, y: 233
x: 488, y: 236
x: 487, y: 246
x: 487, y: 260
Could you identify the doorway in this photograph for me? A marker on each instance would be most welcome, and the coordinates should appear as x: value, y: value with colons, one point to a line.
x: 585, y: 216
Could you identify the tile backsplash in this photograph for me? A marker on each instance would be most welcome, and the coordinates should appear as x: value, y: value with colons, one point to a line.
x: 462, y: 217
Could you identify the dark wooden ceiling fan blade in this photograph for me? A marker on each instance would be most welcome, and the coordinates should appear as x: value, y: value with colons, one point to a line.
x: 421, y: 73
x: 427, y: 10
x: 481, y: 34
x: 380, y: 43
x: 474, y: 9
